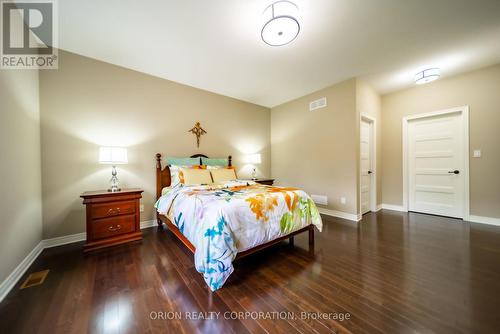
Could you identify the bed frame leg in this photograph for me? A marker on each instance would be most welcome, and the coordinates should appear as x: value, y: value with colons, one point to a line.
x: 311, y: 239
x: 160, y: 223
x: 291, y: 242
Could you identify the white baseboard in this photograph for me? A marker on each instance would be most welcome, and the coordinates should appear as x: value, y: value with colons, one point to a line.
x: 16, y: 275
x: 378, y: 208
x: 393, y: 207
x: 64, y: 240
x: 68, y: 239
x: 148, y: 223
x: 484, y: 220
x: 339, y: 214
x: 471, y: 218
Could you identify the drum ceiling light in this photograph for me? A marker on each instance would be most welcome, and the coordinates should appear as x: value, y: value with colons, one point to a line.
x: 281, y: 26
x: 427, y: 75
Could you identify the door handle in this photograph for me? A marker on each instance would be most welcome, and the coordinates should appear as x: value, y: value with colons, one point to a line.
x: 369, y: 172
x: 456, y: 171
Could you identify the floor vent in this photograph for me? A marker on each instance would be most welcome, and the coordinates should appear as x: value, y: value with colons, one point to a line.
x: 35, y: 279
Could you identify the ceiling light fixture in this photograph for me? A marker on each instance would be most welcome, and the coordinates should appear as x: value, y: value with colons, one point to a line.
x: 427, y: 75
x: 281, y: 26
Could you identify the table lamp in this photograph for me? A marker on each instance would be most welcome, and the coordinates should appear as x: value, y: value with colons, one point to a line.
x: 113, y: 156
x: 253, y: 159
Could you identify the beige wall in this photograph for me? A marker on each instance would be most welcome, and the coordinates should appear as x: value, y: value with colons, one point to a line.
x: 480, y: 91
x: 369, y: 102
x: 87, y: 103
x: 21, y: 204
x: 317, y: 150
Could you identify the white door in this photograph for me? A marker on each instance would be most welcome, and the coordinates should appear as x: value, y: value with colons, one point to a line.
x: 366, y: 156
x: 436, y: 164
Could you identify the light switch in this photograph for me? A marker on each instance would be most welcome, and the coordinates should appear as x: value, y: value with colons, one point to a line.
x: 476, y: 154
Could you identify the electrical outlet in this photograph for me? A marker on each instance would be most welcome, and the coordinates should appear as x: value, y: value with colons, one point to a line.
x: 476, y: 154
x: 343, y: 200
x: 141, y: 207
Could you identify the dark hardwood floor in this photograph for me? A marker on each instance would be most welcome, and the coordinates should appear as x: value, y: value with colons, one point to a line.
x: 392, y: 272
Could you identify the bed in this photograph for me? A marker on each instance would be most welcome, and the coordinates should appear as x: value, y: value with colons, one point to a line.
x: 223, y: 222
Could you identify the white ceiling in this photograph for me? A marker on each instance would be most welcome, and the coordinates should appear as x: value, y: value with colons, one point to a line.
x: 215, y: 44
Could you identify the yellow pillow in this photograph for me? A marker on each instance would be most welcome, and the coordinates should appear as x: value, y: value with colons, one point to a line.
x: 196, y: 176
x: 223, y: 174
x: 180, y: 174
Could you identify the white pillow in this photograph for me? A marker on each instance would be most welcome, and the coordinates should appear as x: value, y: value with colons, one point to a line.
x: 165, y: 190
x: 223, y: 174
x: 174, y: 174
x: 196, y: 176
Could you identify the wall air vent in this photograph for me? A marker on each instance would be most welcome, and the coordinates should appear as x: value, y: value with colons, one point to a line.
x: 320, y: 199
x: 317, y: 104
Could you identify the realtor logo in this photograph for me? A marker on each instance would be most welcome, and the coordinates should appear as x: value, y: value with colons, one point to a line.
x: 29, y: 34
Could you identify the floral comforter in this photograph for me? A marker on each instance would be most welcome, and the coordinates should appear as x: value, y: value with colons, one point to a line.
x: 222, y: 220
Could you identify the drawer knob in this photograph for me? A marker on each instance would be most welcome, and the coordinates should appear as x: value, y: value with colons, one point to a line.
x: 115, y: 228
x: 113, y: 211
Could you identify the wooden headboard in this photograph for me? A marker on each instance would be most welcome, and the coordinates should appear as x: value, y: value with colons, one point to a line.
x: 163, y: 178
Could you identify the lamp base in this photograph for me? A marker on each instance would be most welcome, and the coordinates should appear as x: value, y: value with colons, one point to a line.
x: 254, y: 174
x: 114, y: 181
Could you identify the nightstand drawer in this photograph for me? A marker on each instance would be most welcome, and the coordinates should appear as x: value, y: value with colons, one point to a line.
x: 112, y: 209
x: 109, y: 227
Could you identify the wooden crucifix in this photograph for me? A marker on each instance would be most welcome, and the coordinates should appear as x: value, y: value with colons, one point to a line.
x: 198, y: 131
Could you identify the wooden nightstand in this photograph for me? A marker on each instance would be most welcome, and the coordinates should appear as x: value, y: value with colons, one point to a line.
x: 268, y: 182
x: 112, y: 218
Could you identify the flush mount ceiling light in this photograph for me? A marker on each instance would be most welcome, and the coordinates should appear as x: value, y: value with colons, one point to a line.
x: 427, y: 75
x: 281, y: 25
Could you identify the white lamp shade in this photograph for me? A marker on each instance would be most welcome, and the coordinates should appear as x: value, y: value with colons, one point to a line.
x: 113, y: 155
x: 253, y: 159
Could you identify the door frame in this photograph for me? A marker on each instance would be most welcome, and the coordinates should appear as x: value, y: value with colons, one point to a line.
x: 463, y: 111
x: 373, y: 158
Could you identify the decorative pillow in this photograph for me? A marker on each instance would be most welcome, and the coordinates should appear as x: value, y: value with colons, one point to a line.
x: 214, y: 162
x: 183, y: 161
x: 181, y: 173
x: 175, y: 166
x: 223, y: 174
x: 195, y: 176
x: 176, y: 176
